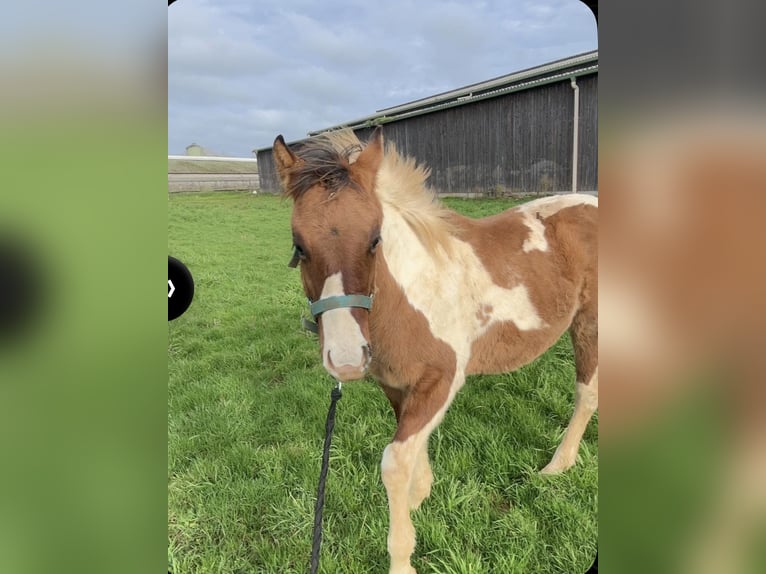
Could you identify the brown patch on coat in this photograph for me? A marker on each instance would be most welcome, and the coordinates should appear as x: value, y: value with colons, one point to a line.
x: 483, y: 314
x: 584, y: 333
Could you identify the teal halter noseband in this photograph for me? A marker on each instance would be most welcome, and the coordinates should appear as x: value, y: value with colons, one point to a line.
x: 335, y: 302
x: 316, y: 308
x: 339, y: 302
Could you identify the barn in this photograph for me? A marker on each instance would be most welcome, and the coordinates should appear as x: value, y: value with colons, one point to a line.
x: 529, y: 132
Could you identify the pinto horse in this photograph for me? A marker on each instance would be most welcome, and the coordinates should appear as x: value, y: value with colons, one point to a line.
x: 421, y: 297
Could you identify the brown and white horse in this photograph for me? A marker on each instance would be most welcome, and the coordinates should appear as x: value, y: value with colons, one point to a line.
x: 421, y: 296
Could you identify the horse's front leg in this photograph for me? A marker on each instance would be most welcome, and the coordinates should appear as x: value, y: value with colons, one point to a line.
x: 422, y: 479
x: 397, y: 467
x: 421, y: 410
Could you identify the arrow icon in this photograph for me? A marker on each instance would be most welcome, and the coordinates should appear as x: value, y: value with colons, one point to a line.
x: 180, y: 288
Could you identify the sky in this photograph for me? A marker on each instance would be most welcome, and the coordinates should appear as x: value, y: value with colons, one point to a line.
x: 240, y: 72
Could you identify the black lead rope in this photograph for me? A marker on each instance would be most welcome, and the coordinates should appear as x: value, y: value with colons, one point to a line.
x: 335, y: 396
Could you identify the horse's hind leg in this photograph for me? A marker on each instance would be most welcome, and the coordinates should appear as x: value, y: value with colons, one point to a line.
x: 584, y: 333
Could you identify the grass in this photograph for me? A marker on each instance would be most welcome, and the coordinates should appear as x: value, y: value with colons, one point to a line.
x: 247, y: 400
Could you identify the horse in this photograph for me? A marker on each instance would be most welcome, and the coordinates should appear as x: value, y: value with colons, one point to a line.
x: 420, y: 296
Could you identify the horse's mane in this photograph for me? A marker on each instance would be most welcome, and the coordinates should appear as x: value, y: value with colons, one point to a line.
x: 400, y: 185
x: 324, y: 160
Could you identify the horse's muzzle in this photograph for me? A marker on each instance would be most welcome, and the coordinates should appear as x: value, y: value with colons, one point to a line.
x: 346, y: 373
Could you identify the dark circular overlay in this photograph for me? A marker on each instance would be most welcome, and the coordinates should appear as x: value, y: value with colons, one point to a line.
x: 22, y: 287
x: 180, y: 288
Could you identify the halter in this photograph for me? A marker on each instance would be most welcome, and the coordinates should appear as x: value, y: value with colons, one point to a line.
x: 316, y: 308
x: 339, y: 302
x: 335, y: 302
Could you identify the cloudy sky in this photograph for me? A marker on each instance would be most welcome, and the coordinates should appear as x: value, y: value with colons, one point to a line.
x: 242, y: 71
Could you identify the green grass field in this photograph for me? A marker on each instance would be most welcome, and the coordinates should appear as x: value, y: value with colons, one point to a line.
x: 247, y: 401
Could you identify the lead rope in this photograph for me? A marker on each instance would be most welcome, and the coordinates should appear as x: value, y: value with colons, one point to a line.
x: 335, y: 396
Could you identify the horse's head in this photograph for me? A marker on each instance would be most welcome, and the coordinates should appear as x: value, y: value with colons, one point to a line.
x: 336, y: 223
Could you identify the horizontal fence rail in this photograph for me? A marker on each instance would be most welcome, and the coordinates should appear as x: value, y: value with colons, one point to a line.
x: 212, y: 173
x: 212, y: 158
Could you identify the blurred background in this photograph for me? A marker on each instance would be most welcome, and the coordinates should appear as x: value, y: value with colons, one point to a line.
x: 83, y: 246
x: 682, y: 423
x: 82, y: 253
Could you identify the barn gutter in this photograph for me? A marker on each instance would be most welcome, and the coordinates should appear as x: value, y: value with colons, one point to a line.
x: 575, y: 132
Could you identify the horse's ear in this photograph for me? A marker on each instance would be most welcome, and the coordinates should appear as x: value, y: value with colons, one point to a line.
x: 366, y: 165
x: 283, y: 157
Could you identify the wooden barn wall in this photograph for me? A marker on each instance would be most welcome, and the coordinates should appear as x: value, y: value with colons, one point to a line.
x: 516, y: 143
x: 268, y: 171
x: 587, y: 161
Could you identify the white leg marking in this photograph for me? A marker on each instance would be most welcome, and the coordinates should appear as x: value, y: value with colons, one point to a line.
x: 406, y: 472
x: 396, y: 469
x: 586, y: 403
x: 422, y: 479
x: 342, y: 337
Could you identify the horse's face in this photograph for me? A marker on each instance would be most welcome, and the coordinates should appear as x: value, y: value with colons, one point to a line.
x: 336, y: 225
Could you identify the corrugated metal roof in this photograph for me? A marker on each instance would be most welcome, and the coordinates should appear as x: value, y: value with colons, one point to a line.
x: 586, y: 58
x: 573, y: 66
x: 586, y: 63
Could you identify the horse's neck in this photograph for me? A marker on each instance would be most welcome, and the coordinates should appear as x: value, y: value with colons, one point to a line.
x: 405, y: 267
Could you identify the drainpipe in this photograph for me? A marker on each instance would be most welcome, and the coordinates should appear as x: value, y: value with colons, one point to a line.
x: 576, y: 132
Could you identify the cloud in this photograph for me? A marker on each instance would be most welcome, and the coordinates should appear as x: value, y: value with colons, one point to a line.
x: 240, y: 72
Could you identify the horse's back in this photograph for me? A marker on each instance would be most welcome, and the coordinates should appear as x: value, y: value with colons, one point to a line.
x: 547, y: 235
x: 578, y: 208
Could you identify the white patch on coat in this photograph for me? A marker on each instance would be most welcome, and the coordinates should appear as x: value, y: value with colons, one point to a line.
x: 342, y: 337
x: 534, y: 212
x: 547, y: 206
x: 536, y: 239
x: 452, y: 293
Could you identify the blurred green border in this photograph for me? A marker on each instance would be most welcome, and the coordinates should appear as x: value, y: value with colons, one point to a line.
x: 83, y: 394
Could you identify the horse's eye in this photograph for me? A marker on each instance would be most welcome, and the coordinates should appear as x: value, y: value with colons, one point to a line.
x: 374, y: 244
x: 299, y: 251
